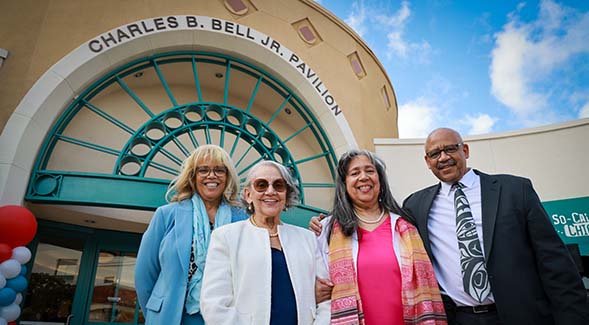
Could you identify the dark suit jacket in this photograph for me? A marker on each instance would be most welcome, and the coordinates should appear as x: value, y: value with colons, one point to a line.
x: 533, y: 277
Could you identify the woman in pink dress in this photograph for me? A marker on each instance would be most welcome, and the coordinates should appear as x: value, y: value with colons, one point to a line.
x: 379, y: 269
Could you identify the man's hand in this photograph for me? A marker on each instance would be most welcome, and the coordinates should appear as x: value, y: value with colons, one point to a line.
x: 315, y: 224
x: 323, y: 289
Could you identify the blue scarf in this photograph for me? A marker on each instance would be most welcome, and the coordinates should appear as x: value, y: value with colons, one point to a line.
x: 201, y: 236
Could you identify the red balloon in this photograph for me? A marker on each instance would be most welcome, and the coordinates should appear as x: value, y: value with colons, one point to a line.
x: 17, y: 225
x: 5, y: 252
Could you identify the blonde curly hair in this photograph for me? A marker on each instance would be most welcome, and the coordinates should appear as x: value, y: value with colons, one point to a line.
x: 184, y: 185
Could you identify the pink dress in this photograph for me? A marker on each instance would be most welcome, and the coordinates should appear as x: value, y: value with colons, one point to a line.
x: 379, y: 276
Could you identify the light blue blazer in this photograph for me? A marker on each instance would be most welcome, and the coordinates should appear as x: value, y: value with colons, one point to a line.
x: 161, y: 272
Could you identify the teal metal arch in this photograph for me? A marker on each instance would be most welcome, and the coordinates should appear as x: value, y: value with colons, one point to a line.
x: 171, y: 134
x: 273, y: 148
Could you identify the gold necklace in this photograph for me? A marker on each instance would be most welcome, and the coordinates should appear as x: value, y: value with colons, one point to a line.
x: 269, y: 233
x: 377, y: 220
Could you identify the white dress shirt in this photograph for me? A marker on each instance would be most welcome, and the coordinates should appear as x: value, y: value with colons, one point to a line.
x: 441, y: 227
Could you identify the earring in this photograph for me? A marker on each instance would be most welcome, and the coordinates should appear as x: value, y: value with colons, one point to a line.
x: 250, y: 208
x: 285, y: 208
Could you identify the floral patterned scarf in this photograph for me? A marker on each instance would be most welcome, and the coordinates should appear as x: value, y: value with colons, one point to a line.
x: 422, y: 303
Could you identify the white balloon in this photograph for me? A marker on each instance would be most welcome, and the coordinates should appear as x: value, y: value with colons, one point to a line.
x: 3, y: 321
x: 10, y: 312
x: 2, y: 282
x: 10, y: 269
x: 22, y: 254
x: 18, y: 299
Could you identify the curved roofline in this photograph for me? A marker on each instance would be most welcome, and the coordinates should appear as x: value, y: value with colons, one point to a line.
x: 496, y: 135
x: 329, y: 15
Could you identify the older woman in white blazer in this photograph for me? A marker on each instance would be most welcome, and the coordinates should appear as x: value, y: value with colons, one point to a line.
x: 260, y: 270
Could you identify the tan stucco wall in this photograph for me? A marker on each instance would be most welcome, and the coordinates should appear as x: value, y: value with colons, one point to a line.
x: 554, y: 157
x: 40, y: 33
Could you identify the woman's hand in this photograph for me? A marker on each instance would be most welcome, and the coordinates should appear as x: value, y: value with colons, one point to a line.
x: 315, y: 224
x: 323, y: 289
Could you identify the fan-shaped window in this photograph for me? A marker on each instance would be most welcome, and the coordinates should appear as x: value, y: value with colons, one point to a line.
x: 123, y: 139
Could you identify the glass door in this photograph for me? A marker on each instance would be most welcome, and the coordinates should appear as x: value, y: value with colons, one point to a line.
x: 54, y: 278
x: 81, y: 276
x: 113, y: 299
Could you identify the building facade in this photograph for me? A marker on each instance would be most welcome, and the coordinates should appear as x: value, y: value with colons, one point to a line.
x: 101, y: 101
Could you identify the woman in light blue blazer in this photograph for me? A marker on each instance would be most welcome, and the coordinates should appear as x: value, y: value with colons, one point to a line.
x: 171, y: 257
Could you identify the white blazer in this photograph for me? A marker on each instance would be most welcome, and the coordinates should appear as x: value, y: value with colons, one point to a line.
x: 236, y: 285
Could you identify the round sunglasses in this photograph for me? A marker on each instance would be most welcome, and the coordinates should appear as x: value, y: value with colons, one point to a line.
x: 262, y: 185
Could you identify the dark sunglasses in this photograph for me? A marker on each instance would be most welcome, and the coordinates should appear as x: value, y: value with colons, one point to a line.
x: 262, y: 185
x: 449, y: 149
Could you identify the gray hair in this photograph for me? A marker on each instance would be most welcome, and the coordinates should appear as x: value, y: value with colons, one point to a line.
x: 343, y: 209
x: 292, y: 188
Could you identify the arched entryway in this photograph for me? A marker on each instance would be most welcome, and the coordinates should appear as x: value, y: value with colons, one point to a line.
x: 129, y: 132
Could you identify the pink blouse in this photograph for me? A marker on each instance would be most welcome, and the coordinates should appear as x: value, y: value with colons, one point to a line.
x: 379, y: 276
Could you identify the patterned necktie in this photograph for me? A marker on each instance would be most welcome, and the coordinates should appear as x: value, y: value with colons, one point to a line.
x: 472, y: 262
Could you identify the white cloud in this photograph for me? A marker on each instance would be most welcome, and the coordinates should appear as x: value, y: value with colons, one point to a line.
x: 396, y: 23
x: 416, y: 118
x: 364, y: 18
x: 436, y: 107
x: 584, y: 112
x: 527, y: 55
x: 398, y: 19
x: 510, y: 82
x: 357, y: 18
x: 483, y: 123
x: 397, y: 45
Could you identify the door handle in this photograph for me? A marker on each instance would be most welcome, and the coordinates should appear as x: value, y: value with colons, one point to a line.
x: 69, y: 318
x: 115, y: 300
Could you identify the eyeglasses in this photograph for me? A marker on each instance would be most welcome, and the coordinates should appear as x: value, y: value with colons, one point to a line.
x: 448, y: 149
x: 262, y: 185
x: 206, y: 170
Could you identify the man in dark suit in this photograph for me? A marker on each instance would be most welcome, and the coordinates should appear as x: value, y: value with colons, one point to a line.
x: 525, y: 274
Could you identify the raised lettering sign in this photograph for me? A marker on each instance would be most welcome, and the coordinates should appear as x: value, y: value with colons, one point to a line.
x: 159, y: 24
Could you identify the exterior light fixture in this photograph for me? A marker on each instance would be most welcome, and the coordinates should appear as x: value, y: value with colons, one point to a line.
x: 3, y: 56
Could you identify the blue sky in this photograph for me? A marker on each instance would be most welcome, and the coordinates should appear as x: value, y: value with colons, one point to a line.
x: 478, y: 66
